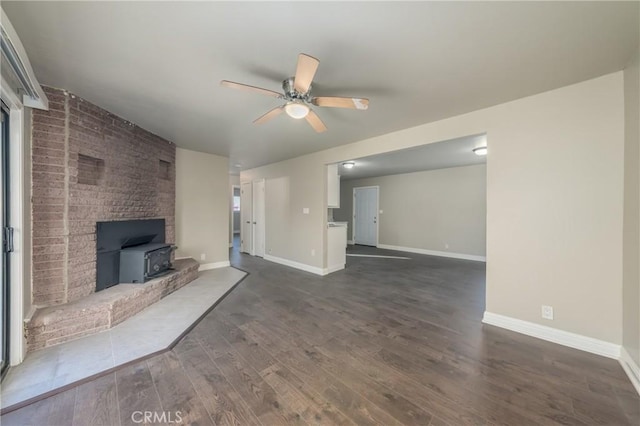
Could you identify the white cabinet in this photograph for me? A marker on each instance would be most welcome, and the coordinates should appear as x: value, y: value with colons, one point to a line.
x: 336, y: 246
x: 333, y: 186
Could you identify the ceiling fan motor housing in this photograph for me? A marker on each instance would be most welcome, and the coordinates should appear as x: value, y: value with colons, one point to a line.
x: 291, y: 94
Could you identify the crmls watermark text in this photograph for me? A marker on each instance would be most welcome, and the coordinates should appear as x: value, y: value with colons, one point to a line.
x: 169, y: 417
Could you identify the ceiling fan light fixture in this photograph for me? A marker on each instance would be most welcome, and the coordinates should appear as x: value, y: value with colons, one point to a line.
x: 348, y: 164
x: 296, y: 110
x: 297, y: 96
x: 481, y: 150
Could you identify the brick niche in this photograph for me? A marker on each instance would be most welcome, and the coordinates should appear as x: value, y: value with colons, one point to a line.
x: 89, y: 165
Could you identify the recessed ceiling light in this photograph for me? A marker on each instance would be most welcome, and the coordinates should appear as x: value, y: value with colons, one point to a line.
x: 296, y: 110
x: 348, y: 165
x: 237, y: 165
x: 481, y: 150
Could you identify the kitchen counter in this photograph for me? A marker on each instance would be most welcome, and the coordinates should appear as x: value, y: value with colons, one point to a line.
x: 336, y: 246
x: 334, y: 224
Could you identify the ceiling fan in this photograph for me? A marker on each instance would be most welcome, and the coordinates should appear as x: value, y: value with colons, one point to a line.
x: 297, y: 94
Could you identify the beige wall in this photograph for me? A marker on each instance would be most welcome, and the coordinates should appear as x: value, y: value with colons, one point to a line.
x: 278, y: 216
x: 439, y: 210
x: 302, y: 240
x: 202, y: 206
x: 631, y: 247
x: 554, y: 202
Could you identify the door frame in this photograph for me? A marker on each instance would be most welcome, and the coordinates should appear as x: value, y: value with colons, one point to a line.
x: 246, y: 247
x: 19, y: 191
x: 233, y: 220
x: 253, y: 216
x: 353, y: 213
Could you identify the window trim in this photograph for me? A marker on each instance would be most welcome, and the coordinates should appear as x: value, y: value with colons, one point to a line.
x: 18, y: 192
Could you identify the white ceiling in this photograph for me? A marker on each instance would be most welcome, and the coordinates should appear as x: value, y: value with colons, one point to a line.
x: 452, y: 153
x: 158, y: 64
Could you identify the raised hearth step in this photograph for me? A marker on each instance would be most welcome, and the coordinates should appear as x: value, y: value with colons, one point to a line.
x: 102, y: 310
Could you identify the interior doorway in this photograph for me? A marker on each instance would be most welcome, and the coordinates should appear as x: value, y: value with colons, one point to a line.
x: 236, y: 221
x: 365, y: 215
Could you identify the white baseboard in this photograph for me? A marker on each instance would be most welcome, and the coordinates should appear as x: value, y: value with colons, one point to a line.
x: 214, y: 265
x: 297, y: 265
x: 565, y: 338
x: 333, y: 269
x: 350, y: 242
x: 434, y: 252
x: 631, y: 368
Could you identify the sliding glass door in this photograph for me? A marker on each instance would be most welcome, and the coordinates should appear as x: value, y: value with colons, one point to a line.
x: 7, y: 241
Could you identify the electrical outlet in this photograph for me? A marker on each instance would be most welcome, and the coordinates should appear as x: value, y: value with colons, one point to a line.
x: 203, y: 256
x: 313, y: 252
x: 547, y: 312
x: 305, y: 210
x: 446, y: 246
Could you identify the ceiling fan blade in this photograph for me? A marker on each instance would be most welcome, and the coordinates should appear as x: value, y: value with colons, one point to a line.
x: 269, y: 115
x: 233, y: 85
x: 337, y: 102
x: 315, y: 122
x: 305, y: 71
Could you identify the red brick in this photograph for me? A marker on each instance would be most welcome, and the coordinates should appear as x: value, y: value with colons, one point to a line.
x: 69, y: 196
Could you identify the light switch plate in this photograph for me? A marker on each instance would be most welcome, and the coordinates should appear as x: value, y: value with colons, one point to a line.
x: 305, y: 210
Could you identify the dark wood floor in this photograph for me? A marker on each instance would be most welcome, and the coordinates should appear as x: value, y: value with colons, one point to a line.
x: 387, y: 341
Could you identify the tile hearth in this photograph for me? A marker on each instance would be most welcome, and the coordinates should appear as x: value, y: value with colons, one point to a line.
x: 151, y: 330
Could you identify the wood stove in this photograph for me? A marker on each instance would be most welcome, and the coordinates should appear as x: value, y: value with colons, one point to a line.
x: 144, y: 262
x: 131, y: 251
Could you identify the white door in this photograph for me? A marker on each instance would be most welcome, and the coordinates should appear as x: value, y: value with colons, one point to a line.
x: 258, y: 218
x: 246, y: 228
x: 365, y: 216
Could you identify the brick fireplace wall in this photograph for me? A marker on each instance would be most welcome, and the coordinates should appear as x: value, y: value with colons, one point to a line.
x: 89, y: 165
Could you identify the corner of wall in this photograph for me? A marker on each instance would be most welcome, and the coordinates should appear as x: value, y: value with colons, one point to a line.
x: 202, y: 207
x: 631, y: 220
